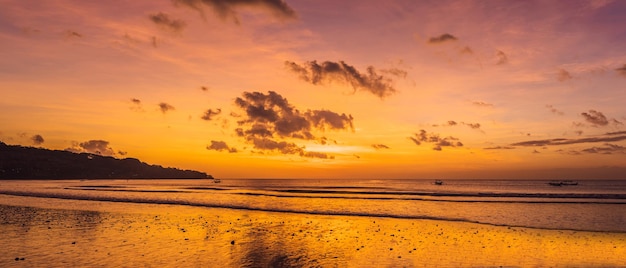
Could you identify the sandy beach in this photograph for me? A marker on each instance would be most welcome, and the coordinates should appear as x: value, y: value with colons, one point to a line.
x: 41, y: 232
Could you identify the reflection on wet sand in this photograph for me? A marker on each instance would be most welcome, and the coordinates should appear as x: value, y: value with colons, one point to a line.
x: 51, y: 232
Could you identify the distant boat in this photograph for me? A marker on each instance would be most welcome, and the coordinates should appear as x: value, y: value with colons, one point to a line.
x: 217, y: 180
x: 438, y: 182
x: 563, y: 183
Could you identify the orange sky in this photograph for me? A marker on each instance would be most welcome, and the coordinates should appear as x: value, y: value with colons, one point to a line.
x: 323, y: 89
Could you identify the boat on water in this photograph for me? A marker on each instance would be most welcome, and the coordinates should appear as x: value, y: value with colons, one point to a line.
x: 563, y: 183
x: 215, y: 180
x: 438, y: 182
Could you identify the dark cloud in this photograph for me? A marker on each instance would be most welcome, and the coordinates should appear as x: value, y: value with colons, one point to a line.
x: 598, y: 119
x: 601, y: 138
x: 208, y: 115
x: 166, y: 23
x: 606, y: 149
x: 438, y: 142
x: 563, y: 75
x: 269, y: 121
x: 227, y: 9
x: 72, y: 34
x: 380, y: 146
x: 329, y: 71
x: 621, y: 70
x: 203, y: 88
x: 220, y: 146
x: 166, y: 107
x: 37, y: 139
x: 482, y: 104
x: 501, y: 58
x: 442, y: 38
x: 99, y: 147
x: 554, y: 110
x: 317, y: 155
x: 472, y: 125
x: 500, y: 148
x: 452, y: 123
x: 135, y: 101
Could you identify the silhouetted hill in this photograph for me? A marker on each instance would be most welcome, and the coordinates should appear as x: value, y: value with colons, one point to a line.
x: 19, y: 162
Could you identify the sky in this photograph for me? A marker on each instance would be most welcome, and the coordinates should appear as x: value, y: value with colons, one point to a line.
x: 323, y: 89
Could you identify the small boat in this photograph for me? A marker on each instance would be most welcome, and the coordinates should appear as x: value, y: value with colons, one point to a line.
x: 217, y: 180
x: 438, y: 182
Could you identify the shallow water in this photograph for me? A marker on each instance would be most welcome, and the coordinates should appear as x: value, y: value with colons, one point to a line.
x: 43, y: 232
x: 589, y: 206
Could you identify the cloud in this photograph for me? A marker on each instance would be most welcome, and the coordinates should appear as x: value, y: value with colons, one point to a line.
x: 208, y: 115
x: 166, y: 107
x: 452, y: 123
x: 227, y: 9
x: 500, y: 148
x: 72, y: 34
x: 467, y: 50
x: 99, y: 147
x: 220, y: 146
x: 501, y: 58
x: 598, y: 119
x: 563, y: 75
x: 317, y: 155
x: 438, y: 142
x: 482, y: 104
x: 607, y: 149
x: 621, y: 70
x: 442, y: 39
x: 602, y: 138
x: 166, y: 23
x: 37, y: 139
x: 395, y: 72
x: 329, y: 71
x: 380, y: 146
x: 136, y: 105
x: 270, y: 121
x: 554, y: 110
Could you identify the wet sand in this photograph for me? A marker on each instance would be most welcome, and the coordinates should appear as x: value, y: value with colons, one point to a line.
x: 43, y: 232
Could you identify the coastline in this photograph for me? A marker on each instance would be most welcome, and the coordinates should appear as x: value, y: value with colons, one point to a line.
x: 48, y: 231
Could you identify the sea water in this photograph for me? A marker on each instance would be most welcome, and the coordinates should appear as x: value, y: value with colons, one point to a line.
x: 592, y: 205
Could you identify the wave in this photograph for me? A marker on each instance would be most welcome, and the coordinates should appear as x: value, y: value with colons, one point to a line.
x: 556, y: 198
x: 305, y: 211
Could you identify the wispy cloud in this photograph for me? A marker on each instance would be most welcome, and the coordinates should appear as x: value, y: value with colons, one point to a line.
x: 563, y: 75
x: 482, y: 104
x: 554, y: 110
x: 380, y: 146
x: 328, y: 71
x: 621, y: 70
x: 228, y: 9
x: 166, y: 23
x: 619, y: 136
x: 598, y: 119
x: 501, y: 58
x: 210, y: 113
x: 423, y: 137
x: 442, y: 39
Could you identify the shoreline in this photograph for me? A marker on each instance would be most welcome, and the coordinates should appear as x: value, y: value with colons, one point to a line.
x: 116, y: 233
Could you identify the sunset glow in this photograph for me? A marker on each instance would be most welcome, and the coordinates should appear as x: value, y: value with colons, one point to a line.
x: 323, y: 89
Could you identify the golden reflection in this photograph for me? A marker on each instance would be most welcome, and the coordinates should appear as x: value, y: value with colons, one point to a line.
x: 136, y: 235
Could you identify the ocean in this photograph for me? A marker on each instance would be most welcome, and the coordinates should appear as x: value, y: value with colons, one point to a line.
x: 591, y: 205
